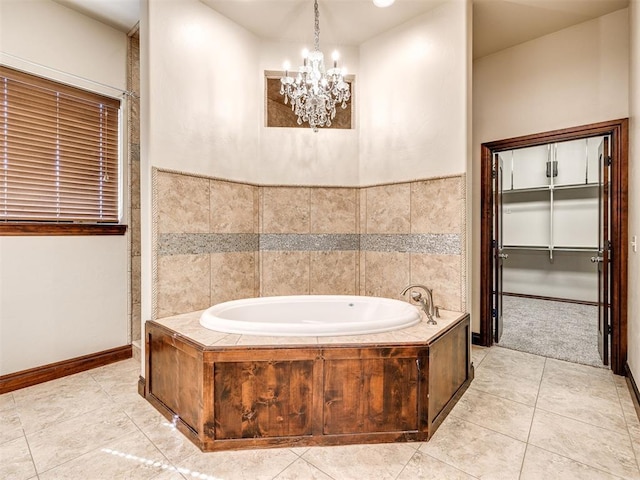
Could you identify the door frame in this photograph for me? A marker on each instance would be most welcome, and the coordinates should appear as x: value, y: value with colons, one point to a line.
x: 619, y: 131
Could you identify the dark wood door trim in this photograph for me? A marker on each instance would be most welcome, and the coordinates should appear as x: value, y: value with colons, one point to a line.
x: 619, y: 131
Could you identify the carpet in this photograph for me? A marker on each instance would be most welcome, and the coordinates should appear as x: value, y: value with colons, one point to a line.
x: 561, y: 330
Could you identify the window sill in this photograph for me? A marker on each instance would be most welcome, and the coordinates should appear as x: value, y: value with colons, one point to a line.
x: 18, y: 229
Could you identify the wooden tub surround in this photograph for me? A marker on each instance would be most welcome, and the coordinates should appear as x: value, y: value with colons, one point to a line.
x: 227, y: 391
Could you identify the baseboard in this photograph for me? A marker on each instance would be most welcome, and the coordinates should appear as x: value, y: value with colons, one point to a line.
x: 45, y: 373
x: 475, y: 338
x: 633, y: 386
x: 552, y: 299
x: 142, y: 387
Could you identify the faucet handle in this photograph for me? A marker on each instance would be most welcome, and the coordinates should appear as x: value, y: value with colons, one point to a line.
x: 436, y: 310
x: 416, y: 296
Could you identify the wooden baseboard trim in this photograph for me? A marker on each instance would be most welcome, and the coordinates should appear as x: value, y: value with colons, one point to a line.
x: 142, y: 387
x: 475, y: 339
x: 45, y: 373
x: 552, y: 299
x: 633, y: 386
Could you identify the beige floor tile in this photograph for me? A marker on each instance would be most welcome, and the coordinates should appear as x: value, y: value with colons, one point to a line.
x: 299, y: 450
x: 518, y: 389
x: 48, y: 403
x: 591, y: 381
x: 634, y: 435
x: 495, y: 413
x: 503, y: 361
x: 11, y: 426
x: 69, y: 439
x: 568, y: 368
x: 173, y: 475
x: 425, y: 467
x: 139, y: 410
x: 7, y: 402
x: 582, y: 393
x: 478, y: 354
x: 380, y: 461
x: 130, y: 457
x: 173, y: 444
x: 596, y: 447
x: 16, y: 461
x: 241, y: 464
x: 476, y: 450
x: 117, y: 375
x: 301, y: 469
x: 539, y: 463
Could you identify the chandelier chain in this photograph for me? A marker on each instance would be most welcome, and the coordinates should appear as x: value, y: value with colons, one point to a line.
x: 316, y: 29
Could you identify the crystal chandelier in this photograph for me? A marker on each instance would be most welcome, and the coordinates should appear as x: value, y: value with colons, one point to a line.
x: 315, y: 92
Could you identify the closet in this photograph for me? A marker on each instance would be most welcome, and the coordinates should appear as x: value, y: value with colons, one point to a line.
x: 549, y: 219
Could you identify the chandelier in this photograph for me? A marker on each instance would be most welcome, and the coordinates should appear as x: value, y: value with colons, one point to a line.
x: 315, y: 92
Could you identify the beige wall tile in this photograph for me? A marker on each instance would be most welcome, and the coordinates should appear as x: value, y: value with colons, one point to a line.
x: 232, y: 207
x: 134, y: 173
x: 436, y: 206
x: 183, y: 203
x: 285, y: 210
x: 232, y: 276
x: 134, y: 231
x: 136, y: 276
x: 136, y: 326
x: 333, y: 273
x: 386, y: 274
x: 443, y: 274
x: 388, y: 208
x: 183, y: 284
x: 284, y: 273
x: 334, y: 210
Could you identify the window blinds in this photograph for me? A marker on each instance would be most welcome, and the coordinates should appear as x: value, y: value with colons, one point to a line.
x: 58, y: 152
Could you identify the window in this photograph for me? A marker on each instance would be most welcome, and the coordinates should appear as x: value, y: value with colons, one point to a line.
x: 58, y: 152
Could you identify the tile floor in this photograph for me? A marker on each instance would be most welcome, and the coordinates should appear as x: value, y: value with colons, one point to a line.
x: 524, y: 417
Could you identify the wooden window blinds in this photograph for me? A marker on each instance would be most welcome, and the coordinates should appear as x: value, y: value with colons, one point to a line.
x: 58, y: 152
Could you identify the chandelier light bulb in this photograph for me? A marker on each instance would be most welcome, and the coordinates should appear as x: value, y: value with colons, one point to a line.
x: 287, y: 66
x: 383, y: 3
x: 335, y: 56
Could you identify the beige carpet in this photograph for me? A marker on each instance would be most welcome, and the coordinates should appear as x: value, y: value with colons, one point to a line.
x: 566, y: 331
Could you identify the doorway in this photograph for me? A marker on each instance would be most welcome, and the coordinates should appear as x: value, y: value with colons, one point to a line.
x: 607, y: 184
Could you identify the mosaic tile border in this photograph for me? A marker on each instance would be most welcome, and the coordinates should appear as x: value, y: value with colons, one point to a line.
x: 199, y: 243
x: 203, y: 243
x: 309, y: 242
x: 431, y: 243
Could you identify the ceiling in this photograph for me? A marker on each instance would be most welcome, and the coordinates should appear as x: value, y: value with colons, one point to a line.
x: 497, y: 24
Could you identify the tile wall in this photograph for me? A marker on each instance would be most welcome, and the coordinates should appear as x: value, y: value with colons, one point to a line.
x: 219, y: 240
x: 133, y: 85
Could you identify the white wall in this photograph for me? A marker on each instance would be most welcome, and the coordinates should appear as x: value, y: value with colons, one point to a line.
x: 203, y: 91
x: 61, y: 297
x: 573, y: 77
x: 634, y: 193
x: 413, y: 98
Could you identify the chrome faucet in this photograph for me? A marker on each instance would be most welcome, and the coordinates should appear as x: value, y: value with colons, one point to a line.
x: 426, y: 303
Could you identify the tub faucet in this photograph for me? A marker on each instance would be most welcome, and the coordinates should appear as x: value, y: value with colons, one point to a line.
x: 426, y: 303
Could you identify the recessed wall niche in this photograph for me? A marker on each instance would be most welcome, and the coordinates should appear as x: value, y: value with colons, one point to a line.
x: 279, y: 114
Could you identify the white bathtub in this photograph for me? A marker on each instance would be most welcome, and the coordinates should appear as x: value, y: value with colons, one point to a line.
x: 310, y: 315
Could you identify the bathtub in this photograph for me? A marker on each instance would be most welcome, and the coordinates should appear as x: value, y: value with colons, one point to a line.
x: 310, y: 315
